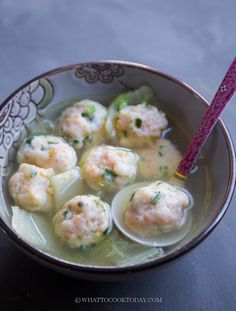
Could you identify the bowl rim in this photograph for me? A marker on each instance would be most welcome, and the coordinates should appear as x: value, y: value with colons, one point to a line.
x: 161, y: 261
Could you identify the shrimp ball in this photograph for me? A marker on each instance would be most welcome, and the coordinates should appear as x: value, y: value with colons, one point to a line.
x: 109, y: 168
x: 83, y: 221
x: 47, y: 152
x: 30, y: 187
x: 83, y: 123
x: 139, y: 125
x: 156, y: 208
x: 158, y: 161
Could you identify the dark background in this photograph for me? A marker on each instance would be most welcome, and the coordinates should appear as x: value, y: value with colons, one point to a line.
x: 192, y: 40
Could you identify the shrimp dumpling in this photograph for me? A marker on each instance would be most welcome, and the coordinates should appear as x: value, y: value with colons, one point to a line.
x: 159, y: 161
x: 31, y: 189
x: 83, y: 221
x: 47, y: 151
x: 83, y: 123
x: 109, y: 168
x: 139, y: 125
x: 158, y: 207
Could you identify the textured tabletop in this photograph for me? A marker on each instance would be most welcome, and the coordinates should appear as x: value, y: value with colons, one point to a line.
x: 192, y: 40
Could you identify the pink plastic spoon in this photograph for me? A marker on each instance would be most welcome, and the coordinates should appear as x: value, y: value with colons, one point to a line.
x: 120, y: 201
x: 225, y: 91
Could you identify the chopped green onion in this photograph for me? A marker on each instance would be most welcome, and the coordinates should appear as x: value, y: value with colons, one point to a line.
x: 33, y: 173
x: 53, y: 142
x: 91, y: 109
x: 29, y: 140
x: 109, y: 175
x: 106, y: 230
x: 132, y: 196
x: 87, y: 115
x: 121, y: 101
x: 157, y: 197
x: 88, y: 138
x: 67, y: 214
x: 138, y: 122
x: 164, y: 170
x: 89, y: 112
x: 101, y: 195
x: 160, y: 152
x: 75, y: 142
x: 97, y: 202
x: 80, y: 203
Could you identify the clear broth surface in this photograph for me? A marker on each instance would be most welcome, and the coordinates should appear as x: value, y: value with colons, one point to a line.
x: 116, y: 249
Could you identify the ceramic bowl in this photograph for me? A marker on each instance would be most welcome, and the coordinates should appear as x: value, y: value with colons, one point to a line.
x: 102, y: 80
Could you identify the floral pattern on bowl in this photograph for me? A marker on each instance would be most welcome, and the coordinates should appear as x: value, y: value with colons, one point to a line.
x: 18, y: 112
x: 104, y: 73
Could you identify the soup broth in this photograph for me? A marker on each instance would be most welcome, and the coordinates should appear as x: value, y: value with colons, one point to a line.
x: 115, y: 249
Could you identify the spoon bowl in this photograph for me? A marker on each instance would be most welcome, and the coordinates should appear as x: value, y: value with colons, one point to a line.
x: 164, y: 238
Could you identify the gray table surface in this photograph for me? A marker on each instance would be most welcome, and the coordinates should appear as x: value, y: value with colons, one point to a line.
x: 192, y: 40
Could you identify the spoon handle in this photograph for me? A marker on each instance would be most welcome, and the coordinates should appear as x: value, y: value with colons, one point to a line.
x: 219, y: 102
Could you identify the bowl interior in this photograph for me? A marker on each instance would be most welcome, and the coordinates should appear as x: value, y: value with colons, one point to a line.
x: 101, y: 81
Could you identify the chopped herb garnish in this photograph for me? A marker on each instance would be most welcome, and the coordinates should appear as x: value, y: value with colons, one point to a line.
x: 80, y: 203
x: 106, y: 231
x: 160, y: 152
x: 138, y: 122
x: 29, y: 140
x: 132, y: 196
x: 53, y: 142
x: 67, y: 214
x: 97, y: 203
x: 101, y: 195
x: 156, y: 198
x: 121, y: 101
x: 87, y: 115
x: 91, y: 109
x: 75, y: 142
x: 164, y: 170
x: 88, y: 138
x: 33, y: 174
x: 89, y: 112
x: 109, y: 175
